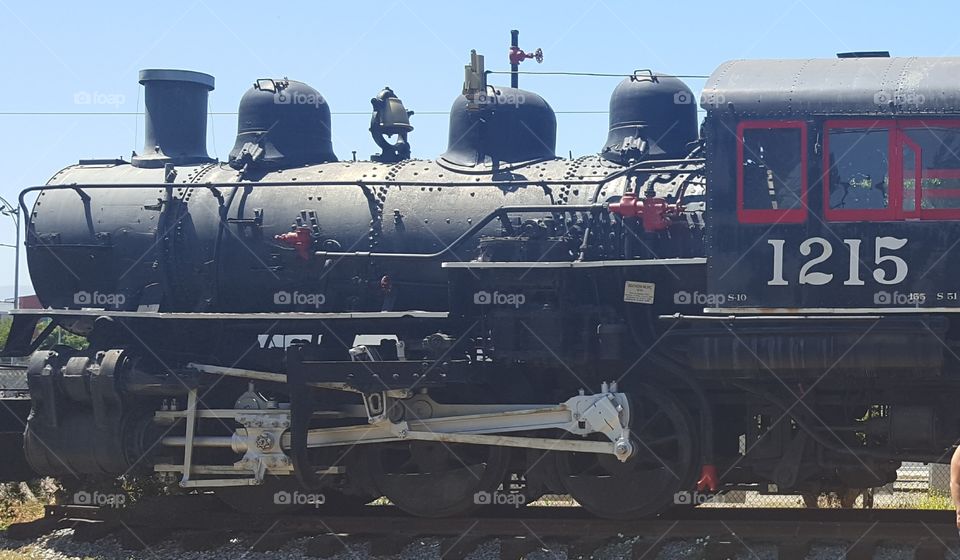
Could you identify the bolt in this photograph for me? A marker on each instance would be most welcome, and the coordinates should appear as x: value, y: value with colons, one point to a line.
x: 264, y: 442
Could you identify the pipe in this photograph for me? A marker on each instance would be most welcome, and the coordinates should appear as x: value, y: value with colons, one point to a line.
x: 654, y: 166
x: 498, y: 213
x: 224, y: 442
x: 514, y: 66
x: 741, y: 318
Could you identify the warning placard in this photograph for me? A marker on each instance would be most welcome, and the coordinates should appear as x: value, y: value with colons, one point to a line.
x: 638, y: 292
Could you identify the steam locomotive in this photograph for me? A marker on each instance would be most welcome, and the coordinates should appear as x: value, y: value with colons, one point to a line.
x: 501, y: 320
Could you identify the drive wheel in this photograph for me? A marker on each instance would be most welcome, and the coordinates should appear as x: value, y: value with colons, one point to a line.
x: 648, y: 483
x: 432, y: 479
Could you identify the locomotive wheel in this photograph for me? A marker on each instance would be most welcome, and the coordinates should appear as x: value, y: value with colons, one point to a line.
x: 431, y: 479
x: 648, y: 482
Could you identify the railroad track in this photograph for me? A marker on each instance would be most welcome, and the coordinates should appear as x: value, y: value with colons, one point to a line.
x: 198, y: 523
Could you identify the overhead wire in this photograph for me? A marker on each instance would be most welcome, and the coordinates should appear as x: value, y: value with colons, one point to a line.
x: 366, y: 113
x: 234, y: 113
x: 600, y: 74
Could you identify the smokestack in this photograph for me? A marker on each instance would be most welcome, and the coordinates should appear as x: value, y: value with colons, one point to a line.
x: 175, y: 103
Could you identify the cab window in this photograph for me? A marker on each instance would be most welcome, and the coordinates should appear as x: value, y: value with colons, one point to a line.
x: 771, y: 172
x: 858, y: 171
x: 892, y: 170
x: 931, y: 159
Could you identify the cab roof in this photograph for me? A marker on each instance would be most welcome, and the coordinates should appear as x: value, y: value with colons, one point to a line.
x: 835, y: 86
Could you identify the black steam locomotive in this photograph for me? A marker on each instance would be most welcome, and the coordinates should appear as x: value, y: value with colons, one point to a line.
x: 502, y: 323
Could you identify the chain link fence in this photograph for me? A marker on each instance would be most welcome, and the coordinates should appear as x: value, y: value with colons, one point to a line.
x: 918, y: 486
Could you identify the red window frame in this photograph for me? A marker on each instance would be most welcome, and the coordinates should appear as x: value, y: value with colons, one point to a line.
x: 785, y: 216
x: 905, y: 141
x: 897, y: 138
x: 919, y: 174
x: 894, y: 169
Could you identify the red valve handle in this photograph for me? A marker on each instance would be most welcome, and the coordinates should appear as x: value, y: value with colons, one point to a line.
x: 517, y: 55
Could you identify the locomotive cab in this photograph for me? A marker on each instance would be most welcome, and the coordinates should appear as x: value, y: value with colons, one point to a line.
x: 834, y: 185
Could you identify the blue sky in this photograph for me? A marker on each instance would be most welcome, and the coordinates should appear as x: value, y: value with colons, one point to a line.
x: 55, y: 55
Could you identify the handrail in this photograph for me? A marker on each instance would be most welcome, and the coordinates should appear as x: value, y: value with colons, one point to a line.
x: 655, y: 166
x: 500, y: 212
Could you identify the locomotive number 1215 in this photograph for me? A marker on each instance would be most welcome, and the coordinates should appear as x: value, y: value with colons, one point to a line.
x: 820, y: 250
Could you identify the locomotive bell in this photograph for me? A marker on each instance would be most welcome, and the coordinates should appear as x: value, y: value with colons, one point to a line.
x: 390, y: 118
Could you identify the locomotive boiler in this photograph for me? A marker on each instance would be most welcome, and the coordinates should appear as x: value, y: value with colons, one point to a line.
x: 300, y: 230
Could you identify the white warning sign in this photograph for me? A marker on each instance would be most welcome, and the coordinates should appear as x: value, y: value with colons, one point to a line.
x: 638, y: 292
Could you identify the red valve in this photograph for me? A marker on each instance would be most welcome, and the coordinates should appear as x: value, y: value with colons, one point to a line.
x: 655, y: 214
x: 300, y: 239
x: 517, y: 55
x: 653, y: 211
x: 708, y: 479
x: 629, y: 206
